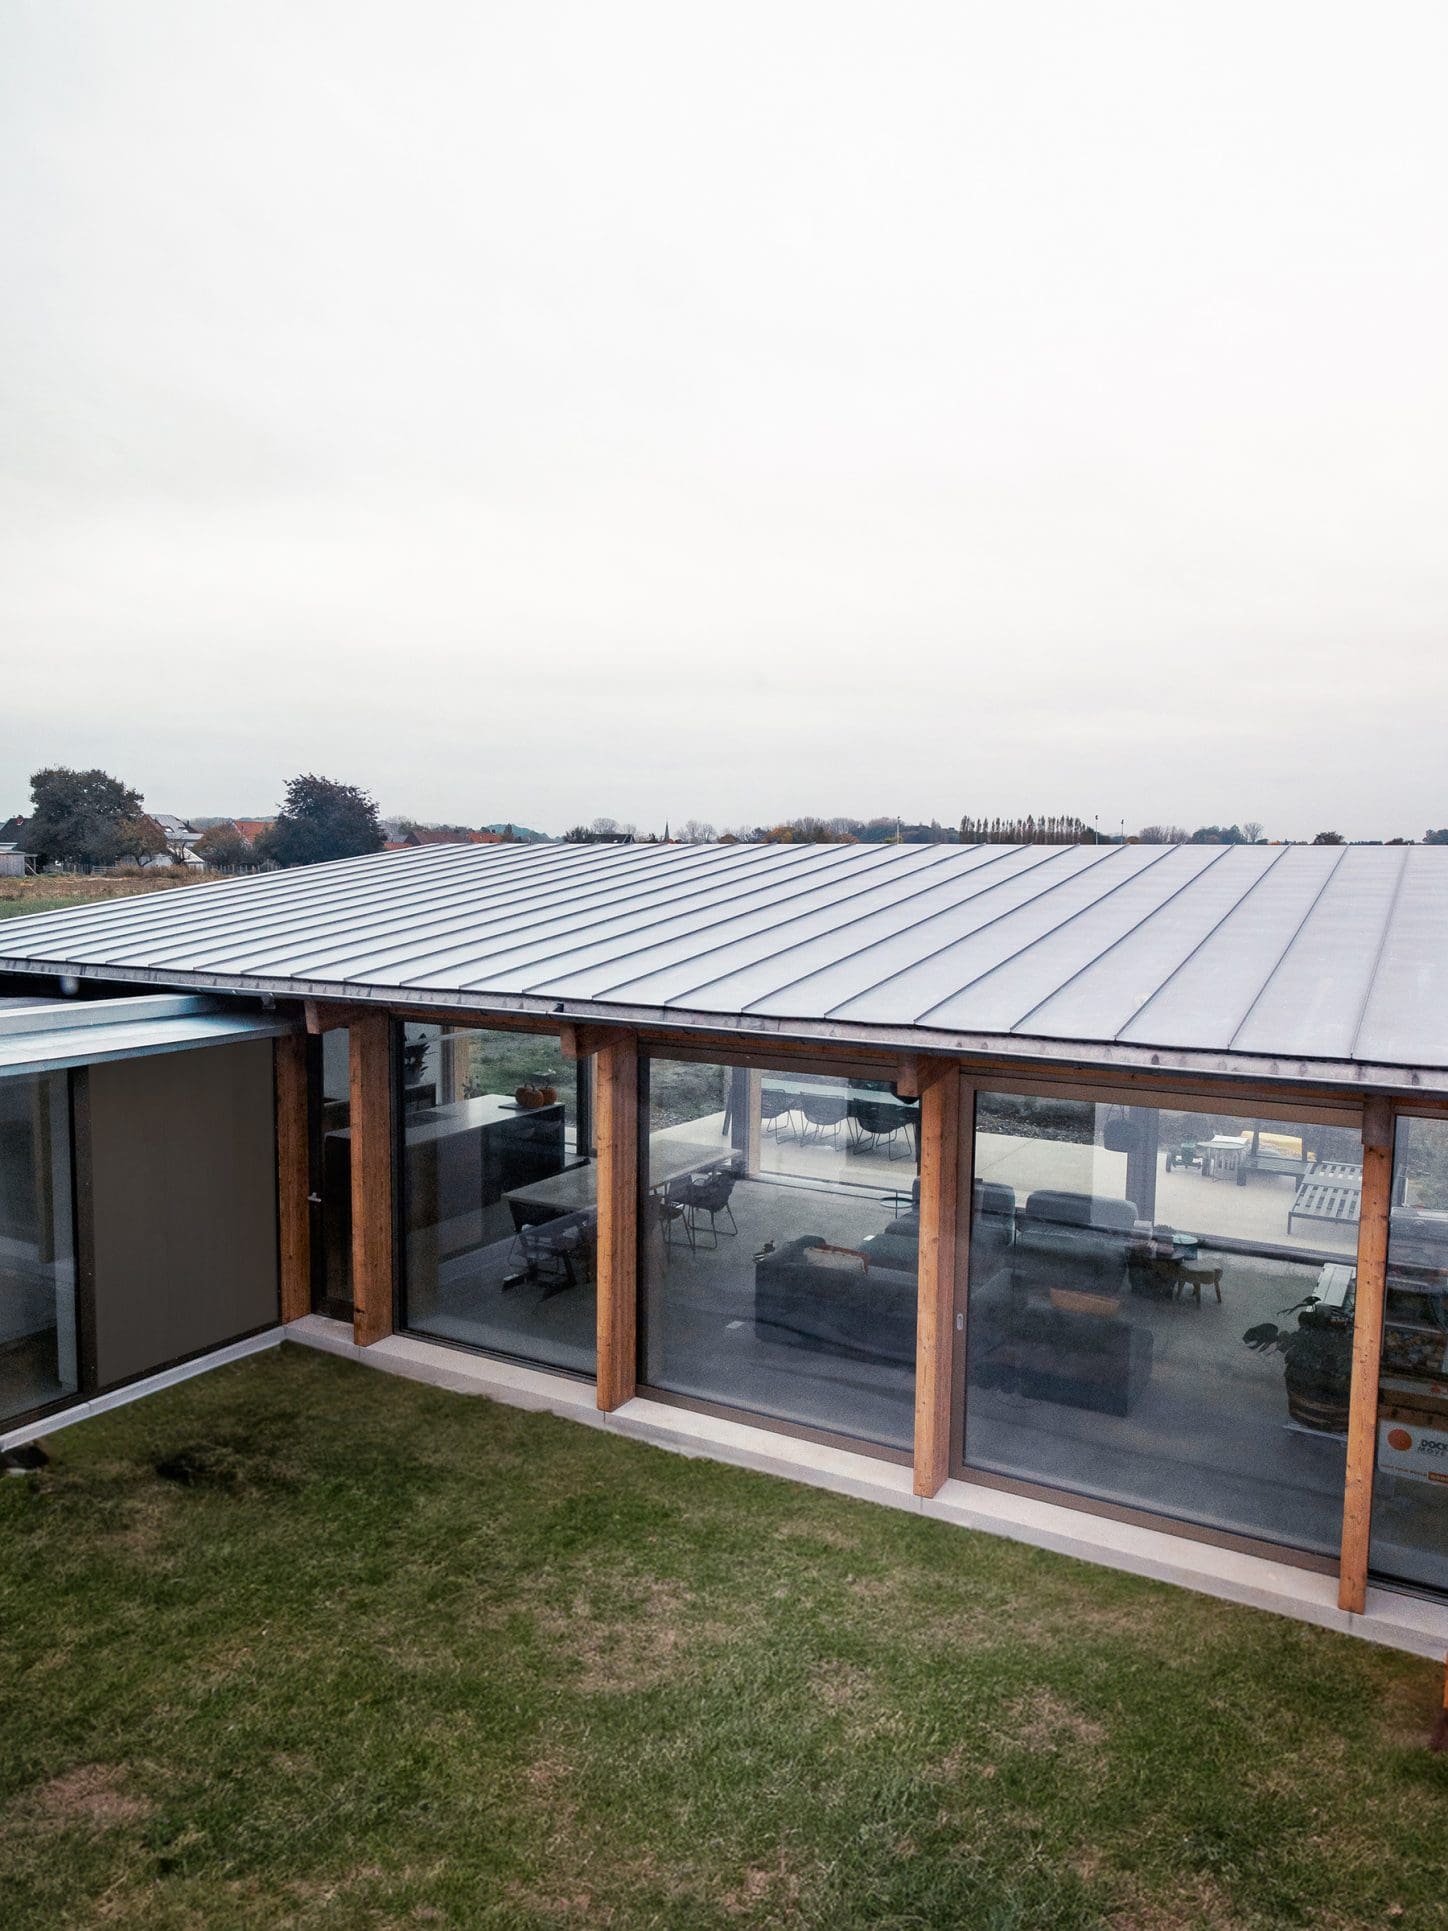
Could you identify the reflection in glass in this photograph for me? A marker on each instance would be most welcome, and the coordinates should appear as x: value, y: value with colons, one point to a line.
x: 334, y: 1193
x: 1410, y: 1492
x: 1160, y: 1310
x: 38, y: 1356
x: 500, y: 1223
x: 778, y: 1246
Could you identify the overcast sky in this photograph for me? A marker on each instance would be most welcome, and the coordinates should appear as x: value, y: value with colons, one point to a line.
x: 535, y: 411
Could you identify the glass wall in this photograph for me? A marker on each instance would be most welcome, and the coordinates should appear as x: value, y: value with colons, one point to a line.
x: 38, y: 1354
x: 1410, y: 1495
x: 778, y: 1246
x: 1160, y: 1310
x: 498, y: 1194
x: 332, y: 1175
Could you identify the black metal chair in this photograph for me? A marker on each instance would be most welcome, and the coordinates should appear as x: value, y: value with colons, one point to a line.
x: 556, y: 1245
x: 825, y: 1112
x: 673, y: 1211
x: 877, y: 1120
x: 776, y: 1109
x: 708, y: 1193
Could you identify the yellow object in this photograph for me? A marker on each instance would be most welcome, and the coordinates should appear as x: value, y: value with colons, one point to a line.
x: 1287, y: 1144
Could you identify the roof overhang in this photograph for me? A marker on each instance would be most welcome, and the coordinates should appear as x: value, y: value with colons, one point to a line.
x: 1343, y: 1079
x: 50, y: 1036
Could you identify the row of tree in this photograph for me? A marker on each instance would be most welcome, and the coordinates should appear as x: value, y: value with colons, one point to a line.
x: 91, y: 818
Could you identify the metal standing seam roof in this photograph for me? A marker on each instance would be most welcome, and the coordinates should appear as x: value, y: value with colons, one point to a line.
x: 48, y: 1035
x: 1315, y: 962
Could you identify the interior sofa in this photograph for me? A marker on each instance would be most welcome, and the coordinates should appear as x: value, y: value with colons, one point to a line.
x: 868, y: 1312
x: 1050, y: 1326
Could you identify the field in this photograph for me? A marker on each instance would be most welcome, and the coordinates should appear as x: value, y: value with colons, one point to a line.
x: 298, y: 1643
x: 20, y: 897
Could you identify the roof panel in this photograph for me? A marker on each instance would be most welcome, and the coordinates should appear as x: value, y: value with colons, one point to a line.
x: 1203, y: 1002
x: 1313, y: 1002
x: 1304, y: 953
x: 1405, y: 1015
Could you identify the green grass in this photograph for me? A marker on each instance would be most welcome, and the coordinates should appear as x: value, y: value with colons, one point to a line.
x: 399, y: 1657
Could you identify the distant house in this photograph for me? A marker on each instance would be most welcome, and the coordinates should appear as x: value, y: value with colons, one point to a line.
x: 15, y: 862
x: 442, y: 835
x: 251, y: 828
x: 180, y: 836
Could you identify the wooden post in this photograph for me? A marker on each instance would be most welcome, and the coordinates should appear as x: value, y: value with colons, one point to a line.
x: 370, y: 1080
x: 935, y: 1309
x: 617, y: 1128
x: 294, y: 1244
x: 1367, y: 1344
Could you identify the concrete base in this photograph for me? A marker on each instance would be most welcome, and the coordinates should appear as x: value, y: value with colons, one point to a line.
x: 135, y: 1390
x: 1397, y: 1620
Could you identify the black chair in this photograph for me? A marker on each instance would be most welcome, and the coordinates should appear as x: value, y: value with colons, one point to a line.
x: 776, y: 1109
x: 876, y: 1120
x: 825, y: 1112
x: 673, y: 1210
x: 708, y: 1193
x: 555, y: 1246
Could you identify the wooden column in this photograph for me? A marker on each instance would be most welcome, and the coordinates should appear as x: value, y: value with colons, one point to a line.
x: 293, y: 1178
x: 370, y: 1081
x: 938, y: 1085
x: 1367, y: 1344
x: 617, y: 1128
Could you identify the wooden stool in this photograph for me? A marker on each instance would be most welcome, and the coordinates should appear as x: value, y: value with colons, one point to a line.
x: 1195, y: 1275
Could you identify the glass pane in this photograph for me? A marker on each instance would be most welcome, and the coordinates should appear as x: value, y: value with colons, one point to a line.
x: 1410, y: 1492
x: 498, y: 1195
x: 1160, y: 1310
x: 778, y: 1246
x: 38, y: 1357
x: 335, y: 1188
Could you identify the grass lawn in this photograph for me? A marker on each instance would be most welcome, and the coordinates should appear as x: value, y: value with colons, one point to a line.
x: 399, y: 1657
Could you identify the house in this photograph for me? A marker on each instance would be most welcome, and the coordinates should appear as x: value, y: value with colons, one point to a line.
x: 1091, y: 1195
x: 442, y: 835
x: 180, y: 836
x: 15, y: 861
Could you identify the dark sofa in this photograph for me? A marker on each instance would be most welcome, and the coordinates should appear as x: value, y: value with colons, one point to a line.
x: 866, y: 1312
x: 1077, y: 1244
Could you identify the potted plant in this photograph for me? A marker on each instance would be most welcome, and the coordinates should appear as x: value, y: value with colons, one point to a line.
x: 1317, y: 1363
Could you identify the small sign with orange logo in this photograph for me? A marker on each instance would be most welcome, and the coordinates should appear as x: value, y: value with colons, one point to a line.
x: 1419, y: 1453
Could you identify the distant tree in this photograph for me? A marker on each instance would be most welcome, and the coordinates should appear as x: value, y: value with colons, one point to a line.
x: 1216, y: 835
x: 1252, y: 831
x: 1162, y: 835
x: 1329, y: 838
x: 322, y: 819
x: 695, y: 831
x: 224, y: 848
x: 88, y: 818
x: 1439, y: 837
x: 1052, y: 829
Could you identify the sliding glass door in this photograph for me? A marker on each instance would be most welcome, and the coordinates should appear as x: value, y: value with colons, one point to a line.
x: 1160, y: 1310
x: 39, y: 1357
x: 498, y: 1194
